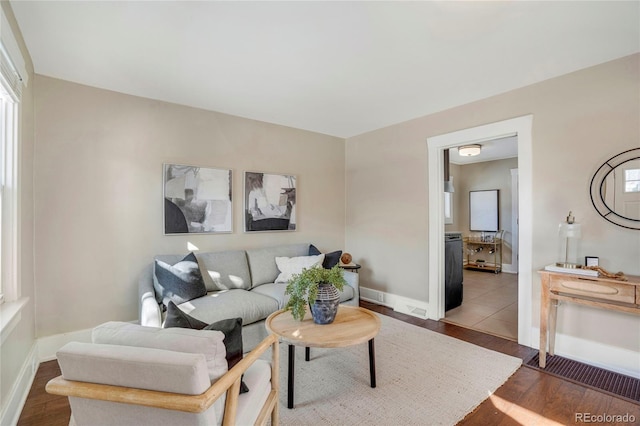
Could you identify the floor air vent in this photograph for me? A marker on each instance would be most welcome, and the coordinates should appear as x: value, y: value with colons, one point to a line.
x: 410, y: 307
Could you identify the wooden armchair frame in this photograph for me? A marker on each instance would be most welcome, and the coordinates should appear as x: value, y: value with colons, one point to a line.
x: 229, y: 384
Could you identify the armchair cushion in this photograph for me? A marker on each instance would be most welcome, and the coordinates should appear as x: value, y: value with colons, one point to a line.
x: 232, y: 329
x: 207, y: 342
x: 130, y: 366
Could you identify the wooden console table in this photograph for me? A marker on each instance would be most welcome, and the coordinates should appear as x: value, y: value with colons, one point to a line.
x: 599, y: 292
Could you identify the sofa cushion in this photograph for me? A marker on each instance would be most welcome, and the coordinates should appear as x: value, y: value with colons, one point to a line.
x: 330, y: 259
x: 232, y: 329
x: 276, y: 291
x: 249, y: 306
x: 262, y: 261
x: 290, y: 266
x: 180, y: 282
x: 207, y: 342
x: 225, y: 270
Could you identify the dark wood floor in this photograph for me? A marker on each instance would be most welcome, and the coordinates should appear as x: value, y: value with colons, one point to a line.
x: 529, y: 397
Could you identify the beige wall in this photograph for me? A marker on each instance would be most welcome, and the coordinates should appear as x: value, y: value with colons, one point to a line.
x: 98, y: 191
x: 483, y: 176
x: 579, y: 121
x: 19, y: 343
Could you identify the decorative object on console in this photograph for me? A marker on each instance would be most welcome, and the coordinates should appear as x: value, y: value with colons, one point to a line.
x: 346, y: 258
x: 604, y: 273
x: 197, y: 200
x: 469, y: 150
x: 269, y: 202
x: 591, y: 261
x: 570, y: 233
x: 304, y: 288
x: 615, y: 189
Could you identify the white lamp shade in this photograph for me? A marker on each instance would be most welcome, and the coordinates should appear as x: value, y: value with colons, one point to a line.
x: 469, y: 150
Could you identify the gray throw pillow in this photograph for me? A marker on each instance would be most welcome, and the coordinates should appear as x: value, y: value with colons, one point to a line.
x: 231, y: 328
x: 178, y: 283
x: 330, y: 259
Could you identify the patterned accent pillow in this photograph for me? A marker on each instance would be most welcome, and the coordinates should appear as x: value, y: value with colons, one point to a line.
x: 178, y: 283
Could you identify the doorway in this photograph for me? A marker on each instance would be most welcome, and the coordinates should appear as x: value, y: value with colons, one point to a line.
x: 484, y: 198
x: 520, y: 127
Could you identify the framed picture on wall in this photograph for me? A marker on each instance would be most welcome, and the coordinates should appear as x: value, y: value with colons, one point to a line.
x: 197, y: 200
x: 484, y: 208
x: 269, y: 202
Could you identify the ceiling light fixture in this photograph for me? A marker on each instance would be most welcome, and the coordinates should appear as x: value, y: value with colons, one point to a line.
x: 469, y: 150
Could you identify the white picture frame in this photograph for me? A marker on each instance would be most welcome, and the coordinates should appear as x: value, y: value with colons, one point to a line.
x: 197, y: 200
x: 484, y: 210
x: 269, y: 202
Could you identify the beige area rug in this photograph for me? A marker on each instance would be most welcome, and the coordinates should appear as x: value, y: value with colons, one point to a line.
x: 423, y: 378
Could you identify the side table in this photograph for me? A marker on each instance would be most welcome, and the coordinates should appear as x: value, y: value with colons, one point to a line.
x: 352, y: 326
x: 353, y: 267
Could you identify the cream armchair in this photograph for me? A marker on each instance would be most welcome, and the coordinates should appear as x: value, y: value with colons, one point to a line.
x: 125, y: 385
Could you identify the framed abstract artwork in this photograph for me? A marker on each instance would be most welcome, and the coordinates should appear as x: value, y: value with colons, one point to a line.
x: 269, y: 202
x: 197, y: 200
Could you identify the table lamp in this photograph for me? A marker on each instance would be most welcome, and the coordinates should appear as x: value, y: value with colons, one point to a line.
x: 570, y: 234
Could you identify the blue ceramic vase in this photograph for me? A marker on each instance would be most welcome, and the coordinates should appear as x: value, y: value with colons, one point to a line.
x: 326, y: 306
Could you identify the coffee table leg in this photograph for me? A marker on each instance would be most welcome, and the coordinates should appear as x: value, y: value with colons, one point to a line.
x: 307, y: 353
x: 292, y: 357
x: 372, y: 363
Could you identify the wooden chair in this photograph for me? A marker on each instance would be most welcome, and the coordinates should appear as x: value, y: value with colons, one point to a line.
x: 104, y: 403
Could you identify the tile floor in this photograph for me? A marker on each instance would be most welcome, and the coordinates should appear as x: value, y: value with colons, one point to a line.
x: 489, y: 304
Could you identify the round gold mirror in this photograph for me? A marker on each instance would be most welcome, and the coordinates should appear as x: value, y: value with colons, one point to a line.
x: 615, y: 189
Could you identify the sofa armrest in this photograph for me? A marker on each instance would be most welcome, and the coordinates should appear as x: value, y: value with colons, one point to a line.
x: 149, y: 313
x: 228, y: 384
x: 353, y: 280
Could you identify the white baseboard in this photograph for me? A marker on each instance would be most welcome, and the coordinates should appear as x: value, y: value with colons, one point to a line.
x: 48, y: 346
x: 20, y: 389
x: 401, y: 304
x: 611, y: 358
x: 509, y: 268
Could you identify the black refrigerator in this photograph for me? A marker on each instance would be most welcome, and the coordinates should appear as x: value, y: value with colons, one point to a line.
x: 452, y: 270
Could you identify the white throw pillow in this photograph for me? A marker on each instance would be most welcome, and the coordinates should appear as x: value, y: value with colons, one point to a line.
x: 288, y: 266
x: 207, y: 342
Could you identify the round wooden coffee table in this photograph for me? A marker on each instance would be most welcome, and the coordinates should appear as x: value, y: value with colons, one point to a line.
x: 352, y: 326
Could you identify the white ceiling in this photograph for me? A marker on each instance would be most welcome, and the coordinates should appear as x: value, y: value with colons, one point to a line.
x: 339, y: 68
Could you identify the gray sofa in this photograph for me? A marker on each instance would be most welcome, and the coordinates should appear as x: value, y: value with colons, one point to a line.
x: 240, y: 283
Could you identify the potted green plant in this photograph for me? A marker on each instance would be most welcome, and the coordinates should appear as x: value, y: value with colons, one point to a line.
x: 319, y: 288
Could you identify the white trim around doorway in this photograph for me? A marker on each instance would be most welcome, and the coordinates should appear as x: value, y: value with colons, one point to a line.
x: 521, y: 127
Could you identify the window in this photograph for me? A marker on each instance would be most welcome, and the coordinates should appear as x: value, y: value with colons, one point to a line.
x: 12, y: 78
x: 632, y: 180
x: 8, y: 194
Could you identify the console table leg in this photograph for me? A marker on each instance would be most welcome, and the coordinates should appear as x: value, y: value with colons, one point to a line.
x: 372, y: 363
x: 553, y: 315
x: 307, y: 353
x: 544, y: 319
x: 292, y: 357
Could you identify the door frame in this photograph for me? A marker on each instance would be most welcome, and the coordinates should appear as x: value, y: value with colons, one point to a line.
x: 521, y: 127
